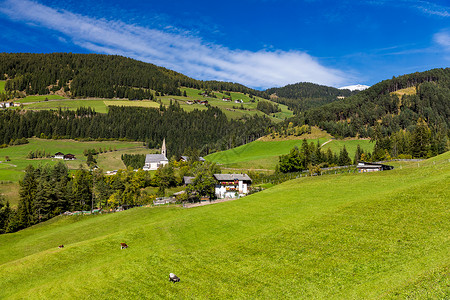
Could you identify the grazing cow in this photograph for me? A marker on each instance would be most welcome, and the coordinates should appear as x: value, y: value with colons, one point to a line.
x: 173, y: 278
x: 123, y: 246
x: 61, y: 246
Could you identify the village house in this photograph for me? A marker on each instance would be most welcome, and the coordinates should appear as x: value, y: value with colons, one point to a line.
x: 226, y: 99
x: 204, y: 102
x: 232, y: 185
x: 69, y: 157
x: 185, y: 158
x: 189, y: 102
x: 188, y: 180
x: 59, y: 155
x: 6, y: 104
x: 372, y: 167
x: 238, y: 101
x: 155, y: 161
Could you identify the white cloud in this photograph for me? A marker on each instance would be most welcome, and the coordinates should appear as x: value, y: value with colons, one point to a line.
x: 443, y: 39
x: 181, y: 52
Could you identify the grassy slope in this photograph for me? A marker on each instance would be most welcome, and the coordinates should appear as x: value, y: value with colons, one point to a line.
x: 350, y: 145
x: 258, y: 154
x: 379, y: 235
x: 264, y: 154
x: 2, y: 85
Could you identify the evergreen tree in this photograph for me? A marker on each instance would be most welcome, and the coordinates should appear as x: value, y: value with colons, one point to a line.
x: 420, y: 144
x: 27, y: 192
x: 344, y: 158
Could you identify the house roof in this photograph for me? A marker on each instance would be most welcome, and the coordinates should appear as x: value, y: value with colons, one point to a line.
x: 369, y: 165
x: 155, y: 158
x: 59, y: 153
x: 232, y: 177
x: 188, y: 179
x: 186, y: 158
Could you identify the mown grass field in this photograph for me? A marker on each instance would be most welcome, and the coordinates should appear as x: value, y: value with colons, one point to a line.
x: 70, y: 104
x: 264, y: 154
x: 38, y: 98
x: 382, y: 235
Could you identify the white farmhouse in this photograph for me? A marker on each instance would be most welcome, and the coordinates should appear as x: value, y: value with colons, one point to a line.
x: 231, y: 185
x: 154, y: 161
x: 59, y: 155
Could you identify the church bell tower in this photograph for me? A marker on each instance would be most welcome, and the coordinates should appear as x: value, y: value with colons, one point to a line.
x: 163, y: 148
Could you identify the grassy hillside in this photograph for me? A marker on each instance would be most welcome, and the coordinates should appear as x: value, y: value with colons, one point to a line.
x: 12, y: 171
x: 257, y: 154
x: 263, y: 154
x: 350, y: 145
x: 358, y: 236
x: 2, y: 85
x: 101, y: 105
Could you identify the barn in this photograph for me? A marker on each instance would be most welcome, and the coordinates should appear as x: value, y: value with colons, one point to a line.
x: 372, y: 167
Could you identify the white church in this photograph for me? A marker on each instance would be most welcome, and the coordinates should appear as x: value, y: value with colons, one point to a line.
x: 154, y: 161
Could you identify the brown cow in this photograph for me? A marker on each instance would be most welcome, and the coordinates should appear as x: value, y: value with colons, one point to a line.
x: 123, y: 246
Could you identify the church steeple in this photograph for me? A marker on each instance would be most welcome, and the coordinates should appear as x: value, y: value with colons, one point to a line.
x: 163, y: 148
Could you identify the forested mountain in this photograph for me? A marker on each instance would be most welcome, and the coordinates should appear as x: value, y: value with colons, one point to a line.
x: 206, y: 130
x: 96, y: 75
x: 359, y: 113
x: 380, y: 113
x: 308, y: 90
x: 305, y: 95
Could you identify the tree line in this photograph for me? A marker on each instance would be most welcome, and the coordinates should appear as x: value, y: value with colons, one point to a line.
x: 208, y: 130
x: 311, y: 156
x: 135, y: 161
x: 267, y: 107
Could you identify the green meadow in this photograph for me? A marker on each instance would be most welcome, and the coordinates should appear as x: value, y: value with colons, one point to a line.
x: 12, y: 171
x: 350, y: 145
x: 2, y: 85
x: 381, y: 235
x: 264, y: 154
x: 69, y: 104
x: 38, y: 98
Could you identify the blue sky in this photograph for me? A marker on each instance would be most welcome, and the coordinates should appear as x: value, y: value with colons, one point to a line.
x: 260, y: 44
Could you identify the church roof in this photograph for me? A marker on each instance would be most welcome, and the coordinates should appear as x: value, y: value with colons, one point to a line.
x: 155, y: 158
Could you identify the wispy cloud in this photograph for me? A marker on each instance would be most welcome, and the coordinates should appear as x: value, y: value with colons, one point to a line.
x: 442, y: 39
x: 425, y: 7
x: 433, y: 9
x: 179, y: 51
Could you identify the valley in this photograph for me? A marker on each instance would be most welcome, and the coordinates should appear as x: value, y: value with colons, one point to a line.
x: 337, y: 193
x: 330, y: 236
